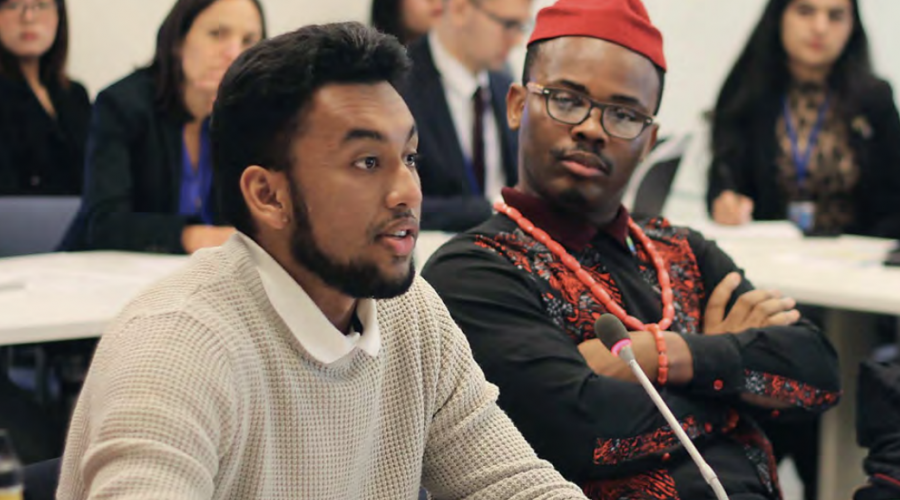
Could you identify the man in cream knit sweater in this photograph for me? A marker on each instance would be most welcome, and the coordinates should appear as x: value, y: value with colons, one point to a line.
x: 302, y: 359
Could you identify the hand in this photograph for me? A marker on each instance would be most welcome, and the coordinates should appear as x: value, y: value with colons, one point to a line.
x: 605, y: 363
x: 754, y: 309
x: 732, y: 209
x: 195, y: 237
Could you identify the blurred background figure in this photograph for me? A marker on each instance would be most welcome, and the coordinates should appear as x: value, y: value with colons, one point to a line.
x: 804, y: 130
x: 43, y: 124
x: 457, y: 93
x: 878, y: 429
x: 43, y: 114
x: 405, y: 19
x: 149, y: 163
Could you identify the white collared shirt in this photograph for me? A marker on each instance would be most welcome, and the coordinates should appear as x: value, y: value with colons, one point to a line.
x: 306, y: 321
x: 459, y: 87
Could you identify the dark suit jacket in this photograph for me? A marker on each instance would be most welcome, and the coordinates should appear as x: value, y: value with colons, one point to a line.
x: 133, y: 173
x: 42, y: 155
x: 450, y: 203
x: 753, y: 173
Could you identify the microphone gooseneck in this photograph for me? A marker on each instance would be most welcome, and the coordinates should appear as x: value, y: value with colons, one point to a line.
x: 610, y: 330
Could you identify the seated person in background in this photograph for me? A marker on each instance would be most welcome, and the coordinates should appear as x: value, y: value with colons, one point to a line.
x: 527, y: 285
x: 878, y: 429
x: 803, y: 129
x: 43, y: 123
x: 457, y: 92
x: 149, y: 172
x: 302, y: 359
x: 43, y: 114
x: 405, y: 19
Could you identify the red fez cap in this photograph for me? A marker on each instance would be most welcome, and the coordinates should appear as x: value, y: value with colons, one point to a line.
x: 624, y: 22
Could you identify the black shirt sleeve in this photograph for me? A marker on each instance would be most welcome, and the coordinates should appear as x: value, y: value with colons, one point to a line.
x: 8, y: 182
x: 880, y: 214
x: 794, y: 364
x: 77, y: 108
x: 588, y: 426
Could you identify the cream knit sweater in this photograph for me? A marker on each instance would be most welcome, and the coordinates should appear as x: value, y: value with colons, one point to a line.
x: 198, y: 390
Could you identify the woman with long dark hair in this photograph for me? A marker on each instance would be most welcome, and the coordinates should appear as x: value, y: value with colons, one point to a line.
x: 43, y: 124
x: 43, y: 114
x: 804, y: 130
x: 405, y: 19
x: 148, y: 164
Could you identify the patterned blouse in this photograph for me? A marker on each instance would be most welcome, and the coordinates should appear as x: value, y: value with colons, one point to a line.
x: 832, y: 173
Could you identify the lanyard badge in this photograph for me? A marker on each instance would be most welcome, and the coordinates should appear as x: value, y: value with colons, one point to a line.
x: 802, y: 212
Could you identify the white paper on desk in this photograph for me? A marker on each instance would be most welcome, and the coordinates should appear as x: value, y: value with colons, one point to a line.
x: 11, y: 283
x: 774, y: 230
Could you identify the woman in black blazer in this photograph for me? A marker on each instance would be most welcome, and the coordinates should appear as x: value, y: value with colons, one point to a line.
x: 43, y: 125
x: 148, y: 167
x: 43, y: 114
x: 804, y: 130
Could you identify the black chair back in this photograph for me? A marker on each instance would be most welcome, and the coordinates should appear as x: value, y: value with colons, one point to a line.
x: 652, y: 179
x: 35, y: 224
x: 41, y: 480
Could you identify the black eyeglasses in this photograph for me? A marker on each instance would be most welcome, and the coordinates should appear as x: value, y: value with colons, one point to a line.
x: 19, y: 8
x: 509, y: 25
x: 573, y: 108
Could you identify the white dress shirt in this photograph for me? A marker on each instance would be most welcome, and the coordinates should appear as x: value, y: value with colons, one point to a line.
x: 459, y: 87
x: 304, y: 318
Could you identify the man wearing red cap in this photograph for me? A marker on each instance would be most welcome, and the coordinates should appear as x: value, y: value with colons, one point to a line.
x: 527, y: 285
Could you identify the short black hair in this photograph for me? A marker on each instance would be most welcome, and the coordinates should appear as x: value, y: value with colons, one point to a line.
x: 166, y: 68
x: 534, y: 50
x: 263, y: 95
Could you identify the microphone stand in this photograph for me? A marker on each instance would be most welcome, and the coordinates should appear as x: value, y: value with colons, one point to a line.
x: 705, y: 470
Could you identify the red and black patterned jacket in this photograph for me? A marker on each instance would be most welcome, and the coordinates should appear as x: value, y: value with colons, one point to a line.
x: 524, y: 314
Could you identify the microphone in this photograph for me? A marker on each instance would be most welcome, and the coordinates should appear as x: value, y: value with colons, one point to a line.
x: 615, y: 337
x: 610, y: 330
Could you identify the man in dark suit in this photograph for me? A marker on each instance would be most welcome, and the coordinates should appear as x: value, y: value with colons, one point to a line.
x: 457, y: 94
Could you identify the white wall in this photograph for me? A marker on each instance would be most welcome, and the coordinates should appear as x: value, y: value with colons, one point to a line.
x: 110, y: 38
x: 703, y: 37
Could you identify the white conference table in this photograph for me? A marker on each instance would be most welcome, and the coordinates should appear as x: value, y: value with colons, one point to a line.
x: 67, y: 296
x: 845, y: 276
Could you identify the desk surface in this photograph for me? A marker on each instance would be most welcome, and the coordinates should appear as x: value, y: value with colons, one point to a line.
x: 66, y: 296
x: 838, y: 273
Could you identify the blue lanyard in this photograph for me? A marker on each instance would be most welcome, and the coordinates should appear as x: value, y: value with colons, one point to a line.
x: 801, y: 160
